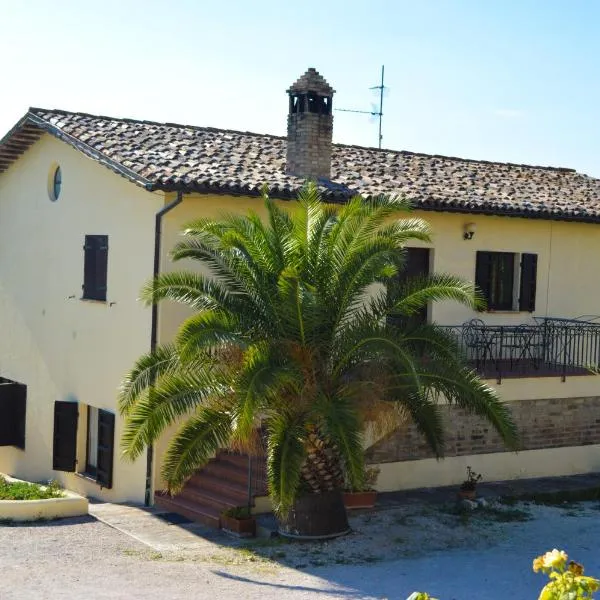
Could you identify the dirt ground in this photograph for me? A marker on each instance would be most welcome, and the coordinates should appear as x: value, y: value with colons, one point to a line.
x: 453, y: 555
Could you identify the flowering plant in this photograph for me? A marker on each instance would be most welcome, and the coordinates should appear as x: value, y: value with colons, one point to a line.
x: 567, y: 581
x: 470, y: 483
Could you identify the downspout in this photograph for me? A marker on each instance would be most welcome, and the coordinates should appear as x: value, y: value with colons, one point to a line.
x: 154, y: 327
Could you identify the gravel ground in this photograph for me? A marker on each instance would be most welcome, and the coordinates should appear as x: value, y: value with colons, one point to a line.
x: 484, y: 555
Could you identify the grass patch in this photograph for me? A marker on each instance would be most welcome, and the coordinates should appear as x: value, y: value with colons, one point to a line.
x: 22, y: 490
x: 490, y: 513
x: 560, y: 498
x: 501, y: 515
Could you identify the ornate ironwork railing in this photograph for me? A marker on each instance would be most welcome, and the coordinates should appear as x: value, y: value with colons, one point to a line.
x: 550, y: 347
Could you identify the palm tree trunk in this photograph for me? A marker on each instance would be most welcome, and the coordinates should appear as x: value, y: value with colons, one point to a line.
x: 322, y: 470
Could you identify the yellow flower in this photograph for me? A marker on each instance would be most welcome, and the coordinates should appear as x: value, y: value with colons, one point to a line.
x: 554, y: 559
x: 537, y: 564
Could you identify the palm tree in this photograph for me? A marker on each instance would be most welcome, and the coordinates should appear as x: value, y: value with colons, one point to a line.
x: 291, y: 329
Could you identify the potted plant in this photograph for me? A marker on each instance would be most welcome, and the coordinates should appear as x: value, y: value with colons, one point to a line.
x: 363, y: 496
x: 468, y: 488
x: 239, y: 521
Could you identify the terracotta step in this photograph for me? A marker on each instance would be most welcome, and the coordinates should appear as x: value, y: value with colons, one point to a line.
x: 214, y: 483
x: 220, y: 501
x: 241, y: 460
x: 228, y: 471
x: 207, y: 515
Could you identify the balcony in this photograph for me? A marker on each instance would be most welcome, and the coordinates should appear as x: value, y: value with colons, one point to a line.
x: 548, y: 347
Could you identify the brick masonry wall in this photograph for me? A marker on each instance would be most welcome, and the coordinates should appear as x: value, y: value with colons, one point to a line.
x: 551, y: 423
x: 309, y: 145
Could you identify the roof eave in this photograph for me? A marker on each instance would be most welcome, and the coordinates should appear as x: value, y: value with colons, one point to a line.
x: 44, y: 126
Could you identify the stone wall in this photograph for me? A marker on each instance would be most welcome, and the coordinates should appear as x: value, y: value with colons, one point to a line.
x: 549, y: 423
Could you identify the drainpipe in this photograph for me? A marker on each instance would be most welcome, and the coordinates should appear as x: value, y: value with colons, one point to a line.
x: 154, y: 327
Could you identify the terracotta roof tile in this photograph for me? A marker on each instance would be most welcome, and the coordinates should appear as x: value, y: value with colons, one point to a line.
x: 178, y: 157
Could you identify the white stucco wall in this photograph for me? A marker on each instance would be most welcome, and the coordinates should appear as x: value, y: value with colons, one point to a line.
x: 61, y: 347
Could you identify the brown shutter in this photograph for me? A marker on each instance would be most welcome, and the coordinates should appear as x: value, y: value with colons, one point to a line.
x: 13, y: 408
x: 106, y: 441
x: 64, y: 455
x: 483, y: 269
x: 528, y: 282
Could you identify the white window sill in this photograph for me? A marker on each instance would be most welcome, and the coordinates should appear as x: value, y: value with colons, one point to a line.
x: 87, y: 477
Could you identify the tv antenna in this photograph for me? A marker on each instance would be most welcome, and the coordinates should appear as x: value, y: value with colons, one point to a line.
x: 375, y: 111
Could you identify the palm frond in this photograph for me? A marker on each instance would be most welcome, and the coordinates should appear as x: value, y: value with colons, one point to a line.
x: 173, y: 396
x: 285, y: 456
x: 339, y: 421
x: 417, y: 292
x: 194, y: 444
x: 147, y: 369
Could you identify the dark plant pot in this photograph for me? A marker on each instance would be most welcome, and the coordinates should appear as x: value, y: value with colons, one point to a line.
x: 353, y: 500
x: 467, y: 494
x: 316, y: 517
x: 240, y: 527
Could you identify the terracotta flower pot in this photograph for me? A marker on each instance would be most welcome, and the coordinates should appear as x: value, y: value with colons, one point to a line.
x: 354, y: 500
x: 467, y: 494
x: 239, y: 527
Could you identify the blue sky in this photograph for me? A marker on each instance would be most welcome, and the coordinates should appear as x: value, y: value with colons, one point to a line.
x: 508, y: 80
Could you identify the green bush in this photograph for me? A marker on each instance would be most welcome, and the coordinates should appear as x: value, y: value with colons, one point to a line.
x: 21, y: 490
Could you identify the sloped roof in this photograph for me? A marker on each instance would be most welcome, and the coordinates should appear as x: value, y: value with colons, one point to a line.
x: 166, y: 156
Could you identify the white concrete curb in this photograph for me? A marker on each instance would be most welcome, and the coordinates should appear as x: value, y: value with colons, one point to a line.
x: 71, y: 505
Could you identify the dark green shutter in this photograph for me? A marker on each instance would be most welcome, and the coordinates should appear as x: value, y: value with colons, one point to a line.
x: 64, y: 455
x: 528, y: 282
x: 13, y: 408
x: 95, y: 267
x: 483, y: 271
x: 106, y: 442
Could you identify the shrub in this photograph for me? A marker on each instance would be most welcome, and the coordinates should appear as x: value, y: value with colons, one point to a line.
x: 21, y: 490
x: 567, y: 581
x: 238, y: 512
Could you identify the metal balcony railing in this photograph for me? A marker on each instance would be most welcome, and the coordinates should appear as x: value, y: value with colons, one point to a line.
x: 551, y: 347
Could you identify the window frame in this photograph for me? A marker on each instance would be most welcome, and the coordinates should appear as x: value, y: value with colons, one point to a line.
x: 521, y: 272
x: 91, y: 470
x: 105, y: 423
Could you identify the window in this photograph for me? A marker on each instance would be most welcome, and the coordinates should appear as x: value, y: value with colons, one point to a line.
x: 100, y: 446
x: 507, y: 280
x: 95, y: 267
x: 54, y: 182
x: 417, y: 264
x: 13, y: 403
x: 91, y: 461
x: 100, y: 438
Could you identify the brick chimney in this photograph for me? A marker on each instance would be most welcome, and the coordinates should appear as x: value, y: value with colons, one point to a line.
x: 310, y: 127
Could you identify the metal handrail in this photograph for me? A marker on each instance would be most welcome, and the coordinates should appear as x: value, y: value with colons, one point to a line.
x: 548, y: 348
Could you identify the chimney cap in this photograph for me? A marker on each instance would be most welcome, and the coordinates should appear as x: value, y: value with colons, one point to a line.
x: 312, y: 81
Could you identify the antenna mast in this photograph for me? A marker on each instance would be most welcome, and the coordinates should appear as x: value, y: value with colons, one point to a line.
x: 376, y: 113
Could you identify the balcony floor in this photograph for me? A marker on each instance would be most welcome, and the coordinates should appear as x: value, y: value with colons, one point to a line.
x: 523, y: 368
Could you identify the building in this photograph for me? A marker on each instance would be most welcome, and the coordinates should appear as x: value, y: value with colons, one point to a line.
x: 91, y: 205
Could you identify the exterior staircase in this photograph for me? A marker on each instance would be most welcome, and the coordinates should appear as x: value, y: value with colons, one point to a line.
x: 228, y: 480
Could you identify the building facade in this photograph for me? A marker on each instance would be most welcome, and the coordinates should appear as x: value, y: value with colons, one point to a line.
x: 90, y: 207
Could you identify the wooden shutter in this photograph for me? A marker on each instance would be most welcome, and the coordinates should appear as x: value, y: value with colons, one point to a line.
x: 528, y: 282
x: 483, y: 271
x: 64, y: 455
x: 95, y: 267
x: 106, y: 442
x: 416, y: 264
x: 13, y: 408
